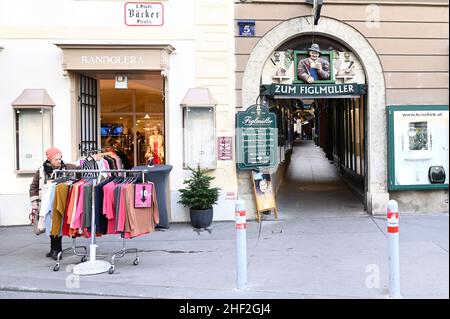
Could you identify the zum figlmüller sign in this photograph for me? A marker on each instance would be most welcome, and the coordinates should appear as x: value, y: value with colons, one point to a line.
x: 257, y: 138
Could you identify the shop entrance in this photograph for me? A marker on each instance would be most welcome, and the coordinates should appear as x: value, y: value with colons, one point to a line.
x: 317, y: 86
x: 131, y: 118
x: 267, y: 65
x: 325, y: 141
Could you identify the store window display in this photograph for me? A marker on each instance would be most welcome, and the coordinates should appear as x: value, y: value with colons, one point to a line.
x: 155, y: 146
x: 128, y: 116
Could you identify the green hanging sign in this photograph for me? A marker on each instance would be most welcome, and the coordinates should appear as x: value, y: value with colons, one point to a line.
x: 256, y: 138
x: 315, y: 91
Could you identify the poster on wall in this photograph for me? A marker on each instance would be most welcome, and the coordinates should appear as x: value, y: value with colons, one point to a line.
x: 418, y: 147
x: 265, y: 198
x: 225, y: 152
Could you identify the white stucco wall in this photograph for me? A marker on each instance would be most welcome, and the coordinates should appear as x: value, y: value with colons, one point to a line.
x: 201, y: 31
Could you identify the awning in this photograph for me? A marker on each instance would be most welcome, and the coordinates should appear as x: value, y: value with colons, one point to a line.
x: 33, y: 98
x: 198, y: 97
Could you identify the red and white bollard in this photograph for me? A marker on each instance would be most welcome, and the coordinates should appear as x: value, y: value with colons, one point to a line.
x: 394, y: 259
x: 241, y: 243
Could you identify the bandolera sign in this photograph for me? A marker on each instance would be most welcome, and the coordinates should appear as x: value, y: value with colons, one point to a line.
x: 144, y: 14
x: 257, y: 138
x: 111, y: 59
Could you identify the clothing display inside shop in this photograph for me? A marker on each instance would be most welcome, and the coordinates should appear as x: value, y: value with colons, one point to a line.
x: 109, y: 159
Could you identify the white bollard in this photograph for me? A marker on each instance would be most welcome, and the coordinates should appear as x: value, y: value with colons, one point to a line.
x: 394, y: 260
x: 241, y: 243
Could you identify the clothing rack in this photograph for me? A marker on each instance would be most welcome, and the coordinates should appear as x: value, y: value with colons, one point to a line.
x: 74, y: 251
x: 94, y: 266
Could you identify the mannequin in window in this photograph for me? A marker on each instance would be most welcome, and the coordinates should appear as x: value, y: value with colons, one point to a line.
x: 155, y: 146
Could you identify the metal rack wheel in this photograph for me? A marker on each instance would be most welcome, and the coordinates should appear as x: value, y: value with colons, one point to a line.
x: 83, y: 259
x: 56, y: 267
x: 111, y: 270
x: 136, y: 261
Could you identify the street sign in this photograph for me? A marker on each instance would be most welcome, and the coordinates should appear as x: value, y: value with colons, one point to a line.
x: 246, y: 28
x: 257, y: 138
x: 144, y: 13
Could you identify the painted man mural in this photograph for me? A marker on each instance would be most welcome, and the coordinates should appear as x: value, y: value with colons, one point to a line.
x: 313, y: 68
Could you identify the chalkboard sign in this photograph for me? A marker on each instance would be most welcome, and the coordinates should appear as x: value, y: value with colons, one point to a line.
x: 265, y: 198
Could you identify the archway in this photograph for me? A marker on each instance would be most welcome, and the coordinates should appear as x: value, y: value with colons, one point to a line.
x: 377, y: 194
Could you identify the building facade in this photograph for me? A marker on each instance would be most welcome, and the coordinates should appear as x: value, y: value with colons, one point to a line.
x: 398, y: 52
x: 82, y: 75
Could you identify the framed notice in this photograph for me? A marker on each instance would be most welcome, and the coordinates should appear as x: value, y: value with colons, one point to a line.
x: 418, y: 147
x: 256, y: 138
x: 265, y: 198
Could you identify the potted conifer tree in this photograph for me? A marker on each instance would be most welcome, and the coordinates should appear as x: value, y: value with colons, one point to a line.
x: 200, y: 197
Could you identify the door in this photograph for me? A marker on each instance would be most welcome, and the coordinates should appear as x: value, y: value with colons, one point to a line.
x: 88, y: 114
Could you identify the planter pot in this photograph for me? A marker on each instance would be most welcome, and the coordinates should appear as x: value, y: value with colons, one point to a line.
x: 201, y: 218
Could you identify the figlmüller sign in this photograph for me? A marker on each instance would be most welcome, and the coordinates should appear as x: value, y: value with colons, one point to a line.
x: 144, y: 14
x: 256, y: 138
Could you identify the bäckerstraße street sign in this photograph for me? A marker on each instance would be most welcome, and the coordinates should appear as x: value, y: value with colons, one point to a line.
x: 256, y: 138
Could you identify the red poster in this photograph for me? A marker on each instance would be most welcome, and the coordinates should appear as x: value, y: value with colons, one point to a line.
x: 225, y: 152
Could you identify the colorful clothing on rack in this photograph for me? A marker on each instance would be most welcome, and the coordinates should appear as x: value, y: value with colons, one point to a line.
x: 109, y: 206
x: 69, y: 208
x: 100, y: 219
x: 120, y: 217
x: 59, y: 205
x: 139, y: 221
x: 45, y: 211
x: 78, y: 210
x: 87, y: 205
x: 112, y: 202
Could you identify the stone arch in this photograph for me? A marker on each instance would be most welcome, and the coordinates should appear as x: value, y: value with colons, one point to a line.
x: 377, y: 194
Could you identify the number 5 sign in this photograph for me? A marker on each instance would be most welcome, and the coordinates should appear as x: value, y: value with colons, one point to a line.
x: 143, y: 195
x: 246, y: 28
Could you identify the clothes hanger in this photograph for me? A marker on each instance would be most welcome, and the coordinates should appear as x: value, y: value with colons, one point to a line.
x: 133, y: 179
x: 118, y: 179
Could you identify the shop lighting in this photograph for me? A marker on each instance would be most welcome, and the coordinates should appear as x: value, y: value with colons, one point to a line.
x: 121, y: 81
x: 317, y: 7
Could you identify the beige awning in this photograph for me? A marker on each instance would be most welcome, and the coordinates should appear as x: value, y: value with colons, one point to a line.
x: 33, y: 98
x: 199, y: 97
